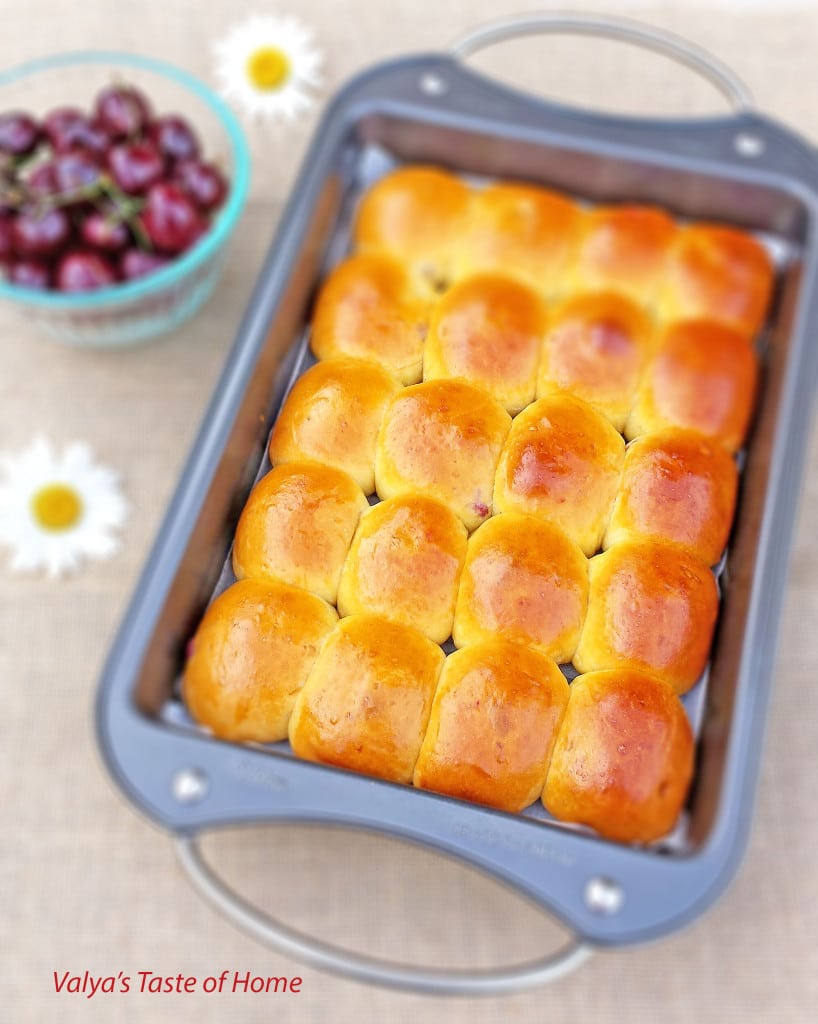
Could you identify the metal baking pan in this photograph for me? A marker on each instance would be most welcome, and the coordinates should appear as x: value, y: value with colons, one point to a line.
x: 741, y: 169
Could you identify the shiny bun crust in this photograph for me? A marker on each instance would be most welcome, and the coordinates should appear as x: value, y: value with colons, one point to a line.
x: 368, y: 309
x: 332, y: 416
x: 562, y: 462
x: 366, y: 703
x: 443, y: 438
x: 702, y: 377
x: 596, y: 348
x: 405, y: 563
x: 652, y: 607
x: 718, y: 273
x: 418, y: 215
x: 676, y: 486
x: 297, y: 526
x: 489, y: 330
x: 493, y: 723
x: 250, y: 657
x: 624, y: 249
x: 524, y: 581
x: 623, y: 758
x: 523, y: 231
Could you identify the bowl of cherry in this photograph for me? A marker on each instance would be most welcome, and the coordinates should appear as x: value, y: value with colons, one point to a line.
x: 122, y: 179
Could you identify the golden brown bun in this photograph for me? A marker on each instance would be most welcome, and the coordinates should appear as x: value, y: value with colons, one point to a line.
x: 297, y: 526
x: 523, y: 231
x: 366, y: 703
x: 251, y: 655
x: 676, y: 486
x: 703, y: 377
x: 623, y: 759
x: 596, y: 348
x: 526, y: 581
x: 562, y: 462
x: 493, y: 723
x: 488, y: 329
x: 417, y: 215
x: 442, y: 437
x: 332, y: 416
x: 405, y: 563
x: 652, y: 607
x: 718, y: 273
x: 367, y: 309
x: 624, y: 249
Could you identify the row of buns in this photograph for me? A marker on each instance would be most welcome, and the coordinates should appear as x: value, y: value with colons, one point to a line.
x: 646, y: 602
x: 495, y: 332
x: 558, y: 459
x: 495, y: 723
x: 438, y: 230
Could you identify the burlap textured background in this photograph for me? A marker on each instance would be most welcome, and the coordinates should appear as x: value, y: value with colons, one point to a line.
x: 84, y: 884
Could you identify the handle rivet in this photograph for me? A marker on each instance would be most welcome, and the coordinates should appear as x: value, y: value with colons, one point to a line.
x: 749, y: 145
x: 189, y: 785
x: 433, y: 85
x: 604, y: 896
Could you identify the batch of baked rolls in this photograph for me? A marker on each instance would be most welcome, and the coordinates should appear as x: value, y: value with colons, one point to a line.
x: 547, y: 400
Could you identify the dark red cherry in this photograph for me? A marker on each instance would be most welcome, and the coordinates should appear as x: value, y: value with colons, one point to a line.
x: 83, y: 270
x: 174, y: 138
x: 42, y: 181
x: 75, y: 170
x: 101, y: 230
x: 60, y: 123
x: 170, y: 219
x: 30, y: 274
x: 38, y: 233
x: 135, y: 166
x: 137, y: 263
x: 19, y: 133
x: 204, y: 183
x: 122, y: 110
x: 6, y: 238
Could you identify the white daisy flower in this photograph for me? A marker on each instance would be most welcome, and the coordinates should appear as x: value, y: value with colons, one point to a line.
x: 57, y: 510
x: 269, y: 65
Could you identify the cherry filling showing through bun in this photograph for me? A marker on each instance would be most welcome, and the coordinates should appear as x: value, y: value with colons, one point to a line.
x: 89, y: 198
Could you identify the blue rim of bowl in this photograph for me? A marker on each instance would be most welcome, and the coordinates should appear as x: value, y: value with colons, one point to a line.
x: 223, y: 224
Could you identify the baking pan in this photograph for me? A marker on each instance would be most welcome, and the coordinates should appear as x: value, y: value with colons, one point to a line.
x: 741, y: 169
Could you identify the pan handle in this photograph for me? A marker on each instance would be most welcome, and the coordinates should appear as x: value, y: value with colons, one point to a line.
x: 621, y: 29
x: 309, y: 950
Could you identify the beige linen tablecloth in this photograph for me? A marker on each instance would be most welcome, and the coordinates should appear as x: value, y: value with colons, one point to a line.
x: 86, y: 885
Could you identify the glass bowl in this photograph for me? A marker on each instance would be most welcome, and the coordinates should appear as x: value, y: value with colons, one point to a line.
x: 135, y: 311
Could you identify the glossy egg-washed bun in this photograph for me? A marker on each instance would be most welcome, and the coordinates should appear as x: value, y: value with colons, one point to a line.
x: 623, y: 758
x: 297, y: 526
x: 624, y: 249
x: 405, y: 563
x: 718, y: 273
x: 417, y: 215
x: 703, y: 377
x: 488, y: 329
x: 562, y: 462
x: 366, y: 703
x: 596, y: 348
x: 678, y: 486
x: 368, y: 308
x: 524, y: 580
x: 442, y: 438
x: 250, y: 657
x: 494, y: 719
x: 652, y: 606
x: 523, y: 231
x: 332, y: 415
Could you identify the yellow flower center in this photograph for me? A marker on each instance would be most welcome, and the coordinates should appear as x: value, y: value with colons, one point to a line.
x: 56, y: 507
x: 268, y: 68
